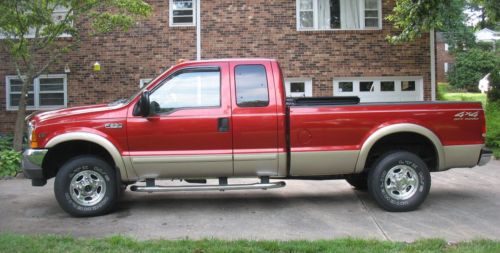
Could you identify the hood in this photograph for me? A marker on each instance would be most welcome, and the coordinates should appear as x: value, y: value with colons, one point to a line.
x: 73, y: 114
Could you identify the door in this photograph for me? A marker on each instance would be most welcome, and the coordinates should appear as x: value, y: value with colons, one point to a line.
x: 254, y: 118
x: 190, y: 136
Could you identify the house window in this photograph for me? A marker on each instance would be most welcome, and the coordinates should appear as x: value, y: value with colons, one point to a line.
x: 182, y: 12
x: 338, y: 14
x: 380, y: 89
x: 45, y: 92
x: 446, y: 47
x: 346, y: 86
x: 408, y: 85
x: 58, y: 15
x: 298, y: 87
x: 387, y: 86
x: 144, y: 81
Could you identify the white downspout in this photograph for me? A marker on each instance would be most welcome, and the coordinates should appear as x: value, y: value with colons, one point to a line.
x: 198, y: 30
x: 433, y: 65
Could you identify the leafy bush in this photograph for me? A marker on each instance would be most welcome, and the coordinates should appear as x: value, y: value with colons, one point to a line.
x: 10, y: 162
x: 494, y: 94
x: 493, y: 126
x: 471, y: 66
x: 5, y: 142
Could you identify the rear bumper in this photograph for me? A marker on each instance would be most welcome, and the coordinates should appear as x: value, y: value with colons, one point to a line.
x: 32, y: 166
x: 485, y: 157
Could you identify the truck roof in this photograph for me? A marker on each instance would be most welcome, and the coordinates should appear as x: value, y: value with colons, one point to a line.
x: 230, y: 60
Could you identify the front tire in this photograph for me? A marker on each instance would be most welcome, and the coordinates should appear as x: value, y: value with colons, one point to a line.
x: 399, y: 181
x: 86, y: 186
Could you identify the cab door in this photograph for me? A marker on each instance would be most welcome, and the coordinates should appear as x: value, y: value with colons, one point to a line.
x: 254, y: 118
x: 191, y: 134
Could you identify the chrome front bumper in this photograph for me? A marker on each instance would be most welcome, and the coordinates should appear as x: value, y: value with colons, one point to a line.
x: 485, y: 157
x: 32, y: 165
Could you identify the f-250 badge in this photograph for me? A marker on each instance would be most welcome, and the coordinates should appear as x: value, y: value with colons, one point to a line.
x: 467, y: 116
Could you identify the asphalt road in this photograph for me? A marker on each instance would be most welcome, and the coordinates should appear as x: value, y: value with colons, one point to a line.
x: 463, y: 204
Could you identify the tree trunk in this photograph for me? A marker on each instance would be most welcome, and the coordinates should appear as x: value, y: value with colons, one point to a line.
x: 21, y: 114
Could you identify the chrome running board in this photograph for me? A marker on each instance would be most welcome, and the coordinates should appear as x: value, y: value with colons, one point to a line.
x: 221, y: 187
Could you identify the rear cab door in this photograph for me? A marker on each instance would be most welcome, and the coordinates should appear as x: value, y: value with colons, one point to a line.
x: 254, y: 118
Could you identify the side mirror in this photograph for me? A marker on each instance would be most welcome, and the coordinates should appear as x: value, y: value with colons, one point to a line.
x: 144, y: 106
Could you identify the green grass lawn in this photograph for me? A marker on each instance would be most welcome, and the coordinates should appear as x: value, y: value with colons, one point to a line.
x: 492, y: 113
x: 47, y: 243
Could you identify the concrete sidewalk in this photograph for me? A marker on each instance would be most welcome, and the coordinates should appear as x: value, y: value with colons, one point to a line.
x: 463, y: 204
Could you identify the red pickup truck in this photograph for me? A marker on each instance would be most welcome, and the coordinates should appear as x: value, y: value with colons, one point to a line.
x: 230, y: 118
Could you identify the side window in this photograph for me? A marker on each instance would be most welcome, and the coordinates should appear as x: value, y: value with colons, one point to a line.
x: 251, y: 86
x: 187, y: 89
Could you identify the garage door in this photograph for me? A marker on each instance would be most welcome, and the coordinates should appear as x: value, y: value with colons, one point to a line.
x: 380, y: 89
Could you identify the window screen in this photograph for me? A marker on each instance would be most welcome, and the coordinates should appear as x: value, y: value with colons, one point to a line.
x: 251, y: 86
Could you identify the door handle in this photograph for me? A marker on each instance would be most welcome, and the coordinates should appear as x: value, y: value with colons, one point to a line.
x: 223, y: 124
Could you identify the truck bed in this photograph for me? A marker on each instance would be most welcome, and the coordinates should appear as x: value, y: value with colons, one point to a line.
x: 335, y: 134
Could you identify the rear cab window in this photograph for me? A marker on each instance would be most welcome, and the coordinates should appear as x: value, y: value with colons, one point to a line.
x: 251, y: 86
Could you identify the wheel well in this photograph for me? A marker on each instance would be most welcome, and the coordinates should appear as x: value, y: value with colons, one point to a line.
x: 61, y: 153
x: 407, y: 141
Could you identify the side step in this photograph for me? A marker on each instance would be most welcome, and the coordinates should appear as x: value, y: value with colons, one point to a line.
x: 223, y: 186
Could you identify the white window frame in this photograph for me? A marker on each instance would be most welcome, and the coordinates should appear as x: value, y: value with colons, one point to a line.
x: 446, y: 47
x: 446, y: 67
x: 144, y: 81
x: 315, y: 18
x: 37, y: 92
x: 171, y: 15
x: 307, y: 86
x: 399, y: 96
x: 31, y: 34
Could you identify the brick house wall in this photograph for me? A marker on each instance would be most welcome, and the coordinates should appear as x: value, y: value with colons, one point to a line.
x: 229, y: 29
x: 443, y: 57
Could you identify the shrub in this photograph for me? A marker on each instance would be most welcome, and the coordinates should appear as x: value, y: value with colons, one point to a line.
x: 10, y: 162
x: 493, y: 125
x: 5, y: 142
x: 470, y: 66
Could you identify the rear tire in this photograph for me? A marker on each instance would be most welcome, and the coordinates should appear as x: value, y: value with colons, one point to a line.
x: 358, y: 181
x: 86, y: 186
x: 399, y: 181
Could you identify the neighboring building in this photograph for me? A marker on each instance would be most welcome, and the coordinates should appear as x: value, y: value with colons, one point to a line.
x: 325, y: 47
x: 444, y: 59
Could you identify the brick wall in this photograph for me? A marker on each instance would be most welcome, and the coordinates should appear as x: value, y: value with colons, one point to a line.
x: 442, y: 56
x: 229, y: 29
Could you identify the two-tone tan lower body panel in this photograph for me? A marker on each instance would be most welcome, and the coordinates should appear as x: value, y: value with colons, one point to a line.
x: 199, y: 166
x: 320, y: 163
x: 182, y: 166
x: 460, y: 156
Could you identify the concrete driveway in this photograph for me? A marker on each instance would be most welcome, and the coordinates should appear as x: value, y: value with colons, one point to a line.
x: 463, y: 204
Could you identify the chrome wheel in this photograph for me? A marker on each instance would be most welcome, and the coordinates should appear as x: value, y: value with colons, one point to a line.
x: 87, y: 188
x: 401, y: 182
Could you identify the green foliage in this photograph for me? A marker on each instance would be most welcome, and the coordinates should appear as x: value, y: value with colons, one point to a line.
x: 30, y: 34
x: 50, y: 243
x: 493, y: 126
x: 470, y: 66
x: 5, y: 142
x: 494, y: 93
x: 10, y: 162
x: 414, y: 18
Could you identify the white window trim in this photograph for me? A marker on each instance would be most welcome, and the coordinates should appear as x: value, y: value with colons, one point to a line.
x: 315, y: 18
x: 307, y: 86
x: 31, y: 33
x: 419, y: 83
x: 445, y: 67
x: 171, y: 15
x: 37, y: 92
x: 144, y: 81
x: 446, y: 47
